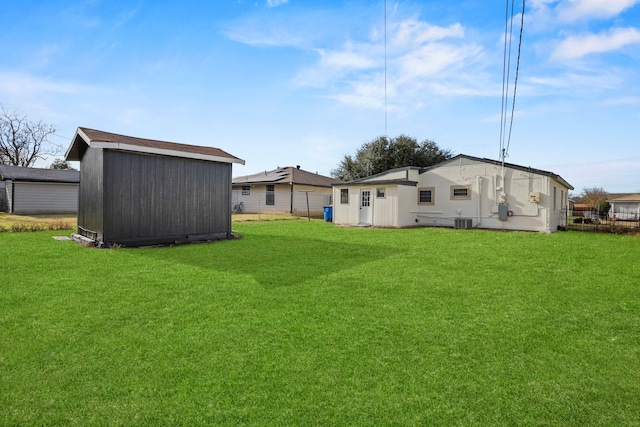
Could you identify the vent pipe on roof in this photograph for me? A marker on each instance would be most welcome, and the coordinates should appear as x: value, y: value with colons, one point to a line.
x: 298, y: 166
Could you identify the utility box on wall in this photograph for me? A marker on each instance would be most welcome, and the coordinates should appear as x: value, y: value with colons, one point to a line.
x: 503, y: 211
x: 534, y: 197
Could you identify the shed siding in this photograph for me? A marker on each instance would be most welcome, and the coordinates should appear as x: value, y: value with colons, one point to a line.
x: 150, y: 197
x: 44, y: 197
x: 4, y: 202
x: 90, y: 198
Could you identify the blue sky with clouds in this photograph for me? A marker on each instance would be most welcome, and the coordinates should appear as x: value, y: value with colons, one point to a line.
x: 281, y: 83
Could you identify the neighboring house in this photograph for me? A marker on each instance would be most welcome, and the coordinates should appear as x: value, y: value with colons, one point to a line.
x: 626, y: 207
x: 462, y: 192
x: 282, y: 191
x: 39, y: 191
x: 581, y: 210
x: 136, y: 191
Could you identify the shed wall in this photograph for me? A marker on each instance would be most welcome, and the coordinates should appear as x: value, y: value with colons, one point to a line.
x: 149, y: 198
x: 4, y: 200
x: 91, y: 195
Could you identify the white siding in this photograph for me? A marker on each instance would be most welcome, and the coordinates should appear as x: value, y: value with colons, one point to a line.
x: 287, y: 199
x: 44, y: 198
x: 400, y: 208
x: 409, y: 175
x: 485, y: 180
x: 319, y: 197
x: 346, y: 213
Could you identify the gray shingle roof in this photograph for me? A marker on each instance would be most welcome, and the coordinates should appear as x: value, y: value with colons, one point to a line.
x: 287, y: 175
x: 19, y: 173
x: 85, y: 137
x: 509, y: 165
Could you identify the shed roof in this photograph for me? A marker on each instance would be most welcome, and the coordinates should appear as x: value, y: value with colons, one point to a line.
x: 86, y: 137
x: 626, y: 198
x: 20, y: 173
x: 508, y: 165
x: 287, y: 175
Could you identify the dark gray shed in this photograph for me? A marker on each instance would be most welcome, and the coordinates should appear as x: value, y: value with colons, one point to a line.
x: 136, y: 191
x: 38, y: 191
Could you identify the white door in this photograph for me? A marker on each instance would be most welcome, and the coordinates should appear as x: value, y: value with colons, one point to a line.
x: 365, y: 206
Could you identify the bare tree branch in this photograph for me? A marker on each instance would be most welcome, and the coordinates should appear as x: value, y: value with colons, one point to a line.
x: 22, y: 141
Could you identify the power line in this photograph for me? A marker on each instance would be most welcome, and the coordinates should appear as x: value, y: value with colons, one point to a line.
x: 506, y: 76
x: 385, y: 68
x: 515, y: 81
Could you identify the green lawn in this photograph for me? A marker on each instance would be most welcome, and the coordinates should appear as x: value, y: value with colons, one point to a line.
x: 304, y: 323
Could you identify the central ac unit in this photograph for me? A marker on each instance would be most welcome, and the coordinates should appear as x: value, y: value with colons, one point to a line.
x: 465, y: 223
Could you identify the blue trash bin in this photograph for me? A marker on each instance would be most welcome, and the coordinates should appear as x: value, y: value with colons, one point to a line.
x: 328, y: 213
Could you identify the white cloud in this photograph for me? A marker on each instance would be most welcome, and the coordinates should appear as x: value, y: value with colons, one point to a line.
x: 346, y: 59
x: 421, y: 58
x: 276, y: 3
x: 412, y: 32
x: 573, y: 10
x: 578, y: 46
x: 623, y: 100
x: 16, y: 84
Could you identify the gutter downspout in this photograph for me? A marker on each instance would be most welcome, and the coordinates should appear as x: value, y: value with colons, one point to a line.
x: 13, y: 197
x: 291, y: 199
x: 479, y: 179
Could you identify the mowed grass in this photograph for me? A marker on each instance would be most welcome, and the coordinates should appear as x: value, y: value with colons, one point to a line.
x: 304, y: 323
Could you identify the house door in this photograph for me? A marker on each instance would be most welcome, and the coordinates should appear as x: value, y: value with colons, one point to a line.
x: 365, y: 206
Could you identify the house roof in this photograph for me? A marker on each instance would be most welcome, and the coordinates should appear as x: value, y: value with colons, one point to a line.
x: 85, y: 138
x: 287, y: 175
x: 19, y: 173
x: 377, y: 183
x: 509, y: 165
x: 626, y: 198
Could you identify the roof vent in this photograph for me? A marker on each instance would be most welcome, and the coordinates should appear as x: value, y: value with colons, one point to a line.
x: 298, y: 166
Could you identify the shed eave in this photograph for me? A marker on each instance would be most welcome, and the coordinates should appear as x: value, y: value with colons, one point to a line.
x: 163, y: 152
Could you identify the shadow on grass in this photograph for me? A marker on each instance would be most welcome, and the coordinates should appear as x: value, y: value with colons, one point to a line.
x: 273, y: 261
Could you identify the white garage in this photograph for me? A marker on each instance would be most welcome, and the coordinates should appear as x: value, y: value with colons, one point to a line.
x: 40, y: 191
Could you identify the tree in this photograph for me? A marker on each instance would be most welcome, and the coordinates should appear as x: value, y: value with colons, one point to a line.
x: 22, y: 141
x: 596, y: 198
x: 383, y: 153
x: 61, y: 164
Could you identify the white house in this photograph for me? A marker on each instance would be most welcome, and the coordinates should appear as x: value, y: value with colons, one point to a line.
x: 462, y: 192
x: 284, y: 190
x: 39, y: 191
x: 625, y: 207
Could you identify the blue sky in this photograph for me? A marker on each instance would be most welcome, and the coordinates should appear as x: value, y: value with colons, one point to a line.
x: 285, y: 83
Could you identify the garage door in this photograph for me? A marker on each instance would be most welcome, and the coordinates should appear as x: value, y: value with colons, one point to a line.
x: 44, y: 198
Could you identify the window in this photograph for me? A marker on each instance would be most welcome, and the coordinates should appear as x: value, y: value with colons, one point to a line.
x: 380, y: 193
x: 246, y: 190
x: 271, y: 198
x: 460, y: 192
x: 365, y: 198
x: 555, y: 195
x: 344, y: 195
x: 425, y: 196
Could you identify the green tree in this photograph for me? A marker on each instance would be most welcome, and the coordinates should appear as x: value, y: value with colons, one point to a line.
x: 383, y: 153
x: 61, y: 164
